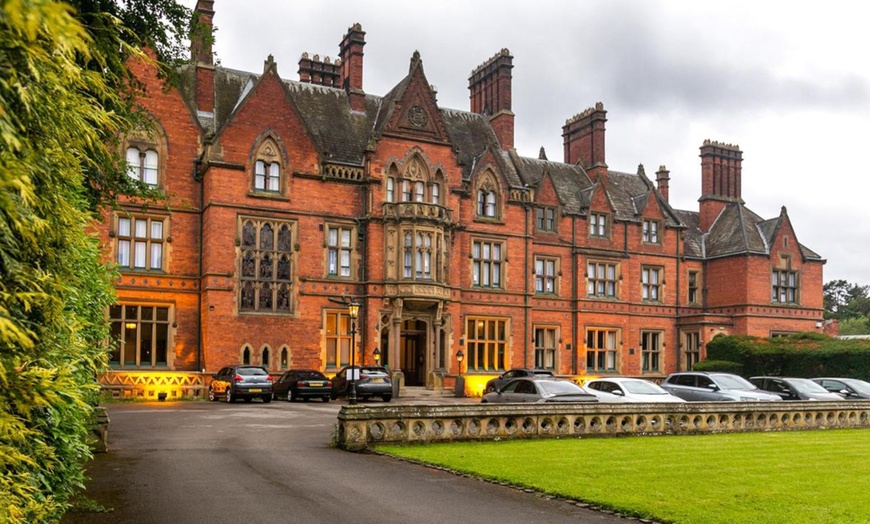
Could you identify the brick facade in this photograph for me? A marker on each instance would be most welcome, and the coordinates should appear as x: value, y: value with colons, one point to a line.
x: 443, y: 233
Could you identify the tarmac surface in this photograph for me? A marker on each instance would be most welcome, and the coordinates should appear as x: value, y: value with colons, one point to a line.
x: 213, y: 462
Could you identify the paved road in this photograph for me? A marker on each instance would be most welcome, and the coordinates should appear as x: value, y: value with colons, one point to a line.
x: 200, y: 462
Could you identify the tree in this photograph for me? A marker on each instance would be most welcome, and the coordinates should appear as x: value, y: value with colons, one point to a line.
x: 843, y: 299
x: 64, y: 96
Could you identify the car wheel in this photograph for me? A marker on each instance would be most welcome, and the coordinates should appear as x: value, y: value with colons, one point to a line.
x: 229, y: 396
x: 211, y: 395
x: 267, y: 399
x: 325, y: 399
x: 290, y: 396
x: 387, y: 398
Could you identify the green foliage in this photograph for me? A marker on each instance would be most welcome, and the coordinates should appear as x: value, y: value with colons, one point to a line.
x: 855, y: 326
x: 725, y: 366
x: 800, y: 355
x: 740, y: 478
x: 844, y: 300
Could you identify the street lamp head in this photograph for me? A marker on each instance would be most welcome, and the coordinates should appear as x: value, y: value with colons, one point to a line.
x: 460, y: 356
x: 377, y: 356
x: 353, y: 309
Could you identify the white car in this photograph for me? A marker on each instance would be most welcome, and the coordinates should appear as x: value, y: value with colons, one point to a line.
x: 624, y: 389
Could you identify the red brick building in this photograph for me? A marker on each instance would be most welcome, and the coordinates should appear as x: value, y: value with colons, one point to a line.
x: 288, y: 196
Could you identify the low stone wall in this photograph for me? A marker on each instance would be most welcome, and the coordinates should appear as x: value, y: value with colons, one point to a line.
x: 360, y: 427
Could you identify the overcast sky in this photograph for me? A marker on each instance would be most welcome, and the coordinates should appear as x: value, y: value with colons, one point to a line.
x: 787, y: 81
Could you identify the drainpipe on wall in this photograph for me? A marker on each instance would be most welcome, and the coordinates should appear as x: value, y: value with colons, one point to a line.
x: 201, y: 178
x: 574, y: 299
x: 363, y: 240
x: 526, y: 332
x: 679, y: 297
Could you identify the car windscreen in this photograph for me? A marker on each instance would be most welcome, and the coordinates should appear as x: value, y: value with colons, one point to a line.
x: 733, y: 382
x: 251, y: 372
x: 858, y: 385
x: 805, y: 385
x: 374, y: 372
x: 642, y: 387
x: 560, y: 387
x: 310, y: 375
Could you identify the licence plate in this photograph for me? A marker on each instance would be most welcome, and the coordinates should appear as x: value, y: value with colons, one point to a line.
x: 377, y: 380
x: 315, y: 384
x: 255, y: 390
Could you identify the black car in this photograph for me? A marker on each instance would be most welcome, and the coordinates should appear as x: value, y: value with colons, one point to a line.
x: 497, y: 383
x: 373, y: 381
x: 245, y: 382
x: 794, y: 388
x: 850, y: 388
x: 303, y: 383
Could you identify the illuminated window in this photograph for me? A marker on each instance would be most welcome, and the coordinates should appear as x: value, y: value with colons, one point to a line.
x: 337, y: 339
x: 601, y: 279
x: 601, y: 350
x: 339, y: 240
x: 140, y: 336
x: 143, y: 165
x: 650, y: 232
x: 487, y: 344
x: 140, y: 242
x: 545, y: 275
x: 486, y: 264
x: 691, y: 348
x: 651, y: 283
x: 545, y: 348
x: 784, y: 286
x: 265, y: 266
x: 598, y: 225
x: 650, y: 349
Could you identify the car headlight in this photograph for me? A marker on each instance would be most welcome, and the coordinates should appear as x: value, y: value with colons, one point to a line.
x: 748, y: 399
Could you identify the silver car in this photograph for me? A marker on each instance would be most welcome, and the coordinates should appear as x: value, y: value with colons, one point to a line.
x: 702, y: 386
x: 538, y: 390
x: 790, y: 388
x: 626, y: 389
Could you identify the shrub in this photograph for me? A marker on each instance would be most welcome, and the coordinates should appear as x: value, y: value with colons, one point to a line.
x: 725, y: 366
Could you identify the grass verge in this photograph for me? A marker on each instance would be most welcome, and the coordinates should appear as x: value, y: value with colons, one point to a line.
x: 802, y: 477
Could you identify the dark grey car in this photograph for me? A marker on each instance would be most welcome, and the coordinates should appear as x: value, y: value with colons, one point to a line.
x: 700, y: 386
x: 499, y: 382
x: 245, y: 382
x: 538, y: 390
x: 373, y: 381
x: 790, y: 388
x: 850, y: 388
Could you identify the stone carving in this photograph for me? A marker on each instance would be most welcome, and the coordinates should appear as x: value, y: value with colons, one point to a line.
x: 417, y: 116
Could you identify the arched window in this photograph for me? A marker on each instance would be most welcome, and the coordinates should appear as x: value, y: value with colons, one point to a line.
x: 246, y: 355
x: 266, y: 266
x: 143, y: 164
x: 436, y: 193
x: 267, y: 167
x: 487, y: 196
x: 265, y: 357
x: 285, y: 358
x: 419, y: 192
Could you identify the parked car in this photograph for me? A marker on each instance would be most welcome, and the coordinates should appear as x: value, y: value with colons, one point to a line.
x: 539, y: 390
x: 373, y: 381
x: 790, y: 388
x: 499, y: 382
x: 709, y: 386
x: 850, y: 388
x: 302, y: 383
x: 245, y: 382
x: 627, y: 389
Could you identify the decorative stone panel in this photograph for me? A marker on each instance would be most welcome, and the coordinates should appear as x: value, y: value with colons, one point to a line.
x: 149, y: 384
x: 361, y: 427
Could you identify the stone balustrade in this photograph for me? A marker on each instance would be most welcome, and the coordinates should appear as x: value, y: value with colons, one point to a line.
x: 418, y: 210
x: 361, y: 427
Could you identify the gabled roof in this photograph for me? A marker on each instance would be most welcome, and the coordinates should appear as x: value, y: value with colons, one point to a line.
x: 569, y: 180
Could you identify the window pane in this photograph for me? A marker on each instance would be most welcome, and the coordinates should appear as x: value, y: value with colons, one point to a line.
x: 124, y: 253
x: 156, y: 230
x: 333, y: 237
x: 141, y: 229
x: 133, y: 163
x: 139, y: 255
x: 124, y: 227
x: 345, y: 238
x: 156, y: 256
x: 150, y: 172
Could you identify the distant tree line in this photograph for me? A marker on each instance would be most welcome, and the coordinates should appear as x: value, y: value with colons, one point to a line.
x: 850, y: 304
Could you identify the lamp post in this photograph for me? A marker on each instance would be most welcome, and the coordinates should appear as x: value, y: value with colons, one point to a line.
x: 353, y: 312
x: 377, y: 356
x: 459, y: 390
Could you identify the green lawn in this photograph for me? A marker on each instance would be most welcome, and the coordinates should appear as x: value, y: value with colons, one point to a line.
x: 790, y: 477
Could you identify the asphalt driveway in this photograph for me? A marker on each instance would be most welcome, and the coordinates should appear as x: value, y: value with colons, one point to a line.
x: 201, y: 462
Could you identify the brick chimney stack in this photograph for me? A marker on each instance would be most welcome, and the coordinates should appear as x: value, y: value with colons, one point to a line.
x: 351, y: 73
x: 663, y: 177
x: 320, y: 72
x: 721, y: 166
x: 583, y: 137
x: 490, y: 94
x: 201, y: 54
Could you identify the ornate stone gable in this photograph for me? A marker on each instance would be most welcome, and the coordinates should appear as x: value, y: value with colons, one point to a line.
x: 416, y: 114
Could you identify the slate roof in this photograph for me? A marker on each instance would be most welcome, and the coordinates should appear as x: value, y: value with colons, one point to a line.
x: 343, y: 136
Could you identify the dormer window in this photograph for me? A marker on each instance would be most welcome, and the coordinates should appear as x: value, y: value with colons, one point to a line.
x: 486, y: 200
x: 598, y: 225
x: 267, y: 168
x: 650, y: 232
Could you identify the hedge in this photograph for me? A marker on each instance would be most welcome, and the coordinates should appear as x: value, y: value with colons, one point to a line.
x: 801, y: 355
